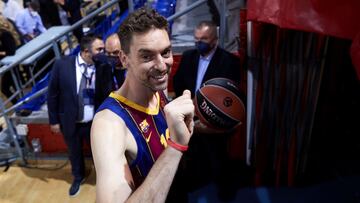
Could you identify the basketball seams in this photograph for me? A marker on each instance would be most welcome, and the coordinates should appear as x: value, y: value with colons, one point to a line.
x: 232, y: 93
x: 219, y: 104
x: 224, y: 82
x: 208, y: 100
x: 228, y: 122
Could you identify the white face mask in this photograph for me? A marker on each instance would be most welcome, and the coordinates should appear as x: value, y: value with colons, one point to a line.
x: 33, y: 13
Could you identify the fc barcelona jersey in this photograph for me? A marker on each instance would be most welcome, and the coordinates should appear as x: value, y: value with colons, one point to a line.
x: 148, y: 126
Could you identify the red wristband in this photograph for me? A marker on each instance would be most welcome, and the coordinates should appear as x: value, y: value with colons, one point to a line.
x: 177, y: 146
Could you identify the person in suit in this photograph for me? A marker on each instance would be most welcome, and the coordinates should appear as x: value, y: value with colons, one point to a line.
x: 206, y: 159
x: 70, y: 102
x: 110, y: 73
x: 205, y: 62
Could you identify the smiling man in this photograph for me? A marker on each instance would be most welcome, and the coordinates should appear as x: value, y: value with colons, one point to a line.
x: 137, y: 139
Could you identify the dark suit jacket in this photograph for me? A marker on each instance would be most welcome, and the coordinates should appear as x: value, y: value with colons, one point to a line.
x: 206, y: 159
x: 104, y: 83
x: 223, y: 64
x: 62, y: 96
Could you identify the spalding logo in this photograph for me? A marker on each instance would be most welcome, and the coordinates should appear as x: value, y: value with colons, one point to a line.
x: 227, y: 101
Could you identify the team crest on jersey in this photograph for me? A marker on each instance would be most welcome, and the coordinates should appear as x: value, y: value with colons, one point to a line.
x: 144, y: 126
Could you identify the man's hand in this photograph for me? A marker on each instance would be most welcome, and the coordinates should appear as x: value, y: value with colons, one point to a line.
x: 55, y: 128
x: 204, y: 129
x: 179, y: 116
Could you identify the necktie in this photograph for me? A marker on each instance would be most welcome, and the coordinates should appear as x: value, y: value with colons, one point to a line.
x: 80, y: 95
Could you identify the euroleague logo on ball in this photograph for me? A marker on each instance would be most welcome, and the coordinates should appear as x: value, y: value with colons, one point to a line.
x: 227, y: 101
x: 218, y: 104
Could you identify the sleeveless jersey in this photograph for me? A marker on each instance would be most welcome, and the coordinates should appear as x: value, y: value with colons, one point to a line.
x: 148, y: 126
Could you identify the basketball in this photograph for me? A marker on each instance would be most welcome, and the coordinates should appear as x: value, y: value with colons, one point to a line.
x: 218, y: 104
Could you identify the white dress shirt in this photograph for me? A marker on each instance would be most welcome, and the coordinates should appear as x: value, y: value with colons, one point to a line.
x: 88, y: 109
x: 27, y: 22
x: 202, y: 67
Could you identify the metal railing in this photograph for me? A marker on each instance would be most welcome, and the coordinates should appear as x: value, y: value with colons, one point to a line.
x: 10, y: 67
x: 4, y: 112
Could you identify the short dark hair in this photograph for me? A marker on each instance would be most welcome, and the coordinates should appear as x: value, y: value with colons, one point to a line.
x: 34, y: 5
x: 211, y: 25
x: 87, y: 41
x: 140, y: 21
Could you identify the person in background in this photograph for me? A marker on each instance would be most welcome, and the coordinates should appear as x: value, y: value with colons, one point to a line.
x: 11, y: 9
x: 49, y: 13
x: 207, y: 160
x: 71, y: 103
x: 137, y: 139
x: 7, y: 44
x: 110, y: 73
x: 29, y: 22
x: 72, y: 8
x: 7, y: 25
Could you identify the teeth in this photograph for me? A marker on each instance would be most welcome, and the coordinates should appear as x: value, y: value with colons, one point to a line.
x: 158, y: 77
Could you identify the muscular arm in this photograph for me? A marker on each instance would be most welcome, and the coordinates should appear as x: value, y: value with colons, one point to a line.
x: 109, y: 141
x: 161, y: 176
x: 108, y: 144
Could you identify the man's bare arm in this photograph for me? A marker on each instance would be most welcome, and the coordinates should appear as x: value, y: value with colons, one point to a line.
x: 112, y: 185
x: 179, y: 116
x: 108, y: 144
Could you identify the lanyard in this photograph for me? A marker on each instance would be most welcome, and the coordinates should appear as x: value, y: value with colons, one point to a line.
x: 88, y: 79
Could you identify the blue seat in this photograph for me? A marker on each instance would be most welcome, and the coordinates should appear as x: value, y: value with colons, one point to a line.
x: 36, y: 103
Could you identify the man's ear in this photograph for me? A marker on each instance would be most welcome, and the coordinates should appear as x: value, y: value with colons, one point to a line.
x: 123, y: 58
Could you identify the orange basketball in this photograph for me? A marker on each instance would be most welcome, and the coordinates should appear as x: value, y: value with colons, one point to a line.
x: 218, y: 104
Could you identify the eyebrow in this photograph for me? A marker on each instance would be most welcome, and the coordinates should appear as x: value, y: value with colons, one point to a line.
x: 148, y: 51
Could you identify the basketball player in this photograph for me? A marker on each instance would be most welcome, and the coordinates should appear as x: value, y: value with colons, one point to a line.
x: 137, y: 141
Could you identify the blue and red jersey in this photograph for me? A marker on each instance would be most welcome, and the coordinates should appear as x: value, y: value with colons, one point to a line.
x: 148, y: 126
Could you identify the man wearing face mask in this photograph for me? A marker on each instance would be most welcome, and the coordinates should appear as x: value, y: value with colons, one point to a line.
x: 207, y: 159
x: 205, y: 62
x: 71, y: 102
x: 110, y: 73
x: 29, y: 22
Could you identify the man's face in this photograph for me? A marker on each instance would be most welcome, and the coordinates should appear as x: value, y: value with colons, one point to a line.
x: 112, y: 49
x: 96, y: 47
x: 150, y: 59
x: 204, y: 34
